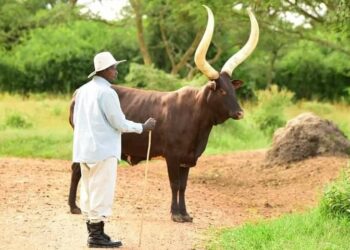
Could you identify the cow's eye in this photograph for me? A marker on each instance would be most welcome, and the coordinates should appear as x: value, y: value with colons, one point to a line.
x: 222, y: 92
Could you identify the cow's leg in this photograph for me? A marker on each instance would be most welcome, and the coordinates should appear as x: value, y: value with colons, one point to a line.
x: 76, y: 174
x: 182, y: 203
x: 174, y: 179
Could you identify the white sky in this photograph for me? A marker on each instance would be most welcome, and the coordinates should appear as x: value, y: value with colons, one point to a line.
x: 107, y: 9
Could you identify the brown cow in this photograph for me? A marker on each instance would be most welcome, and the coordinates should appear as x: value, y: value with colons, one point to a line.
x: 184, y: 119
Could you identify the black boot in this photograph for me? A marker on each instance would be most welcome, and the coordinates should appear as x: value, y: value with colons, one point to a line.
x: 104, y: 235
x: 97, y: 239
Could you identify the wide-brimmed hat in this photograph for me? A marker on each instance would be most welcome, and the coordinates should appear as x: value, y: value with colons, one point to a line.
x: 103, y: 61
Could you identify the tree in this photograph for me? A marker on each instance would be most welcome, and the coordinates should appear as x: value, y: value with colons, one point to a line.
x: 17, y: 18
x: 320, y: 17
x: 138, y: 11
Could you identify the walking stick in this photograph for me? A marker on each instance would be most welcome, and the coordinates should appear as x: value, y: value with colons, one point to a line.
x: 145, y: 185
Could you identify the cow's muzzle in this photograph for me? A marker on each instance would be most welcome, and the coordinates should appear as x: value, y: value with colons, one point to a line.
x: 237, y: 115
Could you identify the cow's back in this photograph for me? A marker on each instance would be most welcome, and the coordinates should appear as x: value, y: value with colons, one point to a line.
x: 175, y: 113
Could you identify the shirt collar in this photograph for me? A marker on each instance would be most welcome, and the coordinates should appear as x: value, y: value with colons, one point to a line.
x: 101, y: 80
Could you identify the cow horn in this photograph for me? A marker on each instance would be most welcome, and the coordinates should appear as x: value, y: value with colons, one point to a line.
x: 248, y: 48
x: 201, y: 52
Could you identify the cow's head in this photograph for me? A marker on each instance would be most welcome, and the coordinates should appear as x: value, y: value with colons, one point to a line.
x: 222, y: 90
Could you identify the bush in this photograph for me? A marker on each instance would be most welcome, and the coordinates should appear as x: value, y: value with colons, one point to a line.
x: 43, y: 61
x: 16, y: 120
x: 336, y: 198
x: 314, y: 72
x: 270, y: 110
x: 148, y: 77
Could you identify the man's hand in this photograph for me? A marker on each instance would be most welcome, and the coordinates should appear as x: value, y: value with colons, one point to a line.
x: 149, y: 125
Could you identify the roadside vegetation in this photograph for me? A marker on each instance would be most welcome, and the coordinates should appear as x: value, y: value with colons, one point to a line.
x: 310, y: 231
x: 46, y: 53
x: 324, y: 227
x: 37, y: 125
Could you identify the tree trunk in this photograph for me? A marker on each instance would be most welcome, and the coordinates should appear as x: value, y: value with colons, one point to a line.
x: 167, y: 47
x: 189, y: 52
x: 73, y: 2
x: 136, y: 5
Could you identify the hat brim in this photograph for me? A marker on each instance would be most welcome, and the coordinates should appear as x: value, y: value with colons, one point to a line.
x: 94, y: 72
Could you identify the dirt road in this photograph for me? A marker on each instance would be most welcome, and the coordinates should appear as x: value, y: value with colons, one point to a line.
x: 223, y: 190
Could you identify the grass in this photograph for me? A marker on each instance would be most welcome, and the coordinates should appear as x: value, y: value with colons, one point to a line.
x: 35, y: 127
x: 325, y: 227
x: 308, y: 231
x: 36, y: 144
x: 337, y: 113
x: 236, y: 135
x: 38, y: 126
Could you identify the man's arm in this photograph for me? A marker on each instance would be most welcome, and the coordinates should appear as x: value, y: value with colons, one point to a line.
x: 111, y: 107
x: 71, y: 110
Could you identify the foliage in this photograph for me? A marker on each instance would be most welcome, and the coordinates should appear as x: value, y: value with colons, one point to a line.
x: 44, y: 62
x: 36, y: 126
x: 326, y: 227
x: 171, y: 28
x: 236, y: 135
x: 269, y: 114
x: 148, y: 77
x: 16, y: 120
x: 48, y: 115
x: 314, y: 73
x: 49, y: 46
x: 17, y: 18
x: 336, y: 198
x: 309, y: 231
x: 43, y: 143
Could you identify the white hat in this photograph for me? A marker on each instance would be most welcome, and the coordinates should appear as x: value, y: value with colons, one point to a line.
x: 103, y: 61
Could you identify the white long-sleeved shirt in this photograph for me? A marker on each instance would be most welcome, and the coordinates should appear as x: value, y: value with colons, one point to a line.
x: 99, y: 122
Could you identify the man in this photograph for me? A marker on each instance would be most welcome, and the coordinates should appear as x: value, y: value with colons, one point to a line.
x: 98, y: 124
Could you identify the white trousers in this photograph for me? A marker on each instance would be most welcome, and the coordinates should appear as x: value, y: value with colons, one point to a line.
x: 97, y: 189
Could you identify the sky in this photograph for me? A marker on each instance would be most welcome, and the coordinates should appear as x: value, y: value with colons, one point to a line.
x: 107, y: 9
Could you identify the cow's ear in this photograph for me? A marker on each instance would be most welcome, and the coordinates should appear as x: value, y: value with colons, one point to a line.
x: 237, y: 83
x: 212, y: 85
x: 211, y: 88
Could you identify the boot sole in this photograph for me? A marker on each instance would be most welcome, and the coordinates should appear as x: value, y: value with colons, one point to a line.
x: 104, y: 246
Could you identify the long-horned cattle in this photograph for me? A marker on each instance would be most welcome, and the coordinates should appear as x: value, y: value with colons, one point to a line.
x: 184, y: 119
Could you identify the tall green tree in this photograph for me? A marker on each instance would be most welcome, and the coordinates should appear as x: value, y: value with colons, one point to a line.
x: 17, y: 17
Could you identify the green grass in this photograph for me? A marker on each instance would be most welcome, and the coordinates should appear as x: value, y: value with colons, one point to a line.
x: 336, y: 197
x: 38, y: 126
x: 337, y: 113
x: 236, y: 135
x: 35, y: 127
x: 308, y: 231
x: 36, y: 144
x: 325, y: 227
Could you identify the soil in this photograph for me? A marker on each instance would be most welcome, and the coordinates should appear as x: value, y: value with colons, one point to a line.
x: 223, y: 191
x: 306, y: 135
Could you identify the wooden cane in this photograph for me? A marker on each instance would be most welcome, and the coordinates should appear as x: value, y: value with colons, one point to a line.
x: 145, y: 186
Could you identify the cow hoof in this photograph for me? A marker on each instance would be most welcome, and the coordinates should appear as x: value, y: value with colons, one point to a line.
x: 181, y: 218
x: 187, y: 218
x: 177, y: 218
x: 75, y: 210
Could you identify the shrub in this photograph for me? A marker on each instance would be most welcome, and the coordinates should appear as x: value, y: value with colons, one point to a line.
x: 336, y: 198
x: 271, y: 103
x: 16, y: 120
x: 313, y: 72
x: 148, y: 77
x: 42, y: 62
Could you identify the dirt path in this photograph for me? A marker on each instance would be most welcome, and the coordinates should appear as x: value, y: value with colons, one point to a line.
x: 223, y: 190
